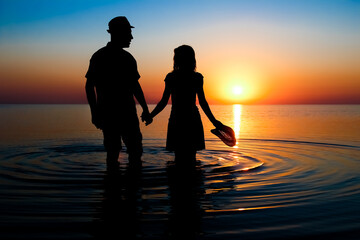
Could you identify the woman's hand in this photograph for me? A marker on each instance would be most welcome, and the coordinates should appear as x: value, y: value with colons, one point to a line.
x: 146, y: 117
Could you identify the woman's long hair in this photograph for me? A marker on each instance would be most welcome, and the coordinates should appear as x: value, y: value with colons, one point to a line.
x: 184, y: 58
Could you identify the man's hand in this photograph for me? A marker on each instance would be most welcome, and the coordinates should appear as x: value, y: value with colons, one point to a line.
x: 146, y: 117
x: 96, y: 120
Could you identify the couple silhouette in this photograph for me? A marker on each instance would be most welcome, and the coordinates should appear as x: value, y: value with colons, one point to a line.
x: 113, y: 82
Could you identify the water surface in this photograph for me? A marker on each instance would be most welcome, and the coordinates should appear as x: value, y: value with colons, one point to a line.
x: 294, y: 173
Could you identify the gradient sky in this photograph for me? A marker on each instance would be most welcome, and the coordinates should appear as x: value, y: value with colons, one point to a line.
x: 264, y: 52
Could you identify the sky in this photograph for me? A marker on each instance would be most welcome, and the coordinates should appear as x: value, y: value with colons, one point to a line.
x: 249, y: 51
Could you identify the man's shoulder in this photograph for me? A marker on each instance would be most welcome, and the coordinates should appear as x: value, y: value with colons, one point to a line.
x: 101, y: 52
x: 127, y: 54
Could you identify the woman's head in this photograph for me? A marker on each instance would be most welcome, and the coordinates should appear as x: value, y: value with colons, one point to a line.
x: 184, y: 58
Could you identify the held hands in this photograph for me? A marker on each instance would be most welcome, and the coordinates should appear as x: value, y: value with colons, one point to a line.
x: 146, y: 117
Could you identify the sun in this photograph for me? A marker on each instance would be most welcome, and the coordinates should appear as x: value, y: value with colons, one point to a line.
x: 239, y: 86
x: 238, y: 90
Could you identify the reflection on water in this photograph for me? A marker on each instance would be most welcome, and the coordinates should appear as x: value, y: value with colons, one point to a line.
x: 283, y: 181
x: 237, y: 120
x: 186, y: 194
x: 119, y: 211
x: 261, y: 190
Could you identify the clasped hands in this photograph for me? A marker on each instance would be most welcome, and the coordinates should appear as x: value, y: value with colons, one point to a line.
x: 146, y: 117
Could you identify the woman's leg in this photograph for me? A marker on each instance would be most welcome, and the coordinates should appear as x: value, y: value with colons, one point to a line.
x: 185, y: 157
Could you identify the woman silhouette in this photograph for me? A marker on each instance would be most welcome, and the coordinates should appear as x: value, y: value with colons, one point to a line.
x: 185, y: 130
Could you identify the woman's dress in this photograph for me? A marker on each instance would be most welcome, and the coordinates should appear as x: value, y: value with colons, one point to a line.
x: 185, y: 129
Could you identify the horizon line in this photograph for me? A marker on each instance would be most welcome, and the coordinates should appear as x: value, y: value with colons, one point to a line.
x: 219, y: 104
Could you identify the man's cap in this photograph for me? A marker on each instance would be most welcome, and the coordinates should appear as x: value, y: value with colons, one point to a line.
x: 119, y: 23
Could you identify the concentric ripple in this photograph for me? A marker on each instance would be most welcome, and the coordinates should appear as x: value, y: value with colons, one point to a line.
x: 262, y: 189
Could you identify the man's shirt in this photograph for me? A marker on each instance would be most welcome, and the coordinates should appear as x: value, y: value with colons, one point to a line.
x: 113, y: 71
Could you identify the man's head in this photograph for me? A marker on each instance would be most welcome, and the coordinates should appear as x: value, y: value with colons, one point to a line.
x: 120, y: 31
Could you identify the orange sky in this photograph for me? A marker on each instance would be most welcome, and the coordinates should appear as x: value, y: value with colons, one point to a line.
x: 288, y: 53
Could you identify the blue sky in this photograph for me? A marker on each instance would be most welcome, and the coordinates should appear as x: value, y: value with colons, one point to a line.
x: 310, y: 36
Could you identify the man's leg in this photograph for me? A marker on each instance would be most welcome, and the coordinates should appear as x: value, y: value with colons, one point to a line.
x: 112, y: 144
x: 132, y: 138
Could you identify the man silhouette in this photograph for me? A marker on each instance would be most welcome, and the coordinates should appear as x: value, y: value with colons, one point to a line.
x: 112, y: 83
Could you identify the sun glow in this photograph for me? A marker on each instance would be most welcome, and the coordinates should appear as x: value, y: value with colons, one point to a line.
x: 237, y: 93
x: 241, y: 83
x: 237, y: 90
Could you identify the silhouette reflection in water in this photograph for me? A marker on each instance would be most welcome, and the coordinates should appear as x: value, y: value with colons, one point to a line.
x: 186, y: 191
x: 131, y: 209
x: 119, y: 215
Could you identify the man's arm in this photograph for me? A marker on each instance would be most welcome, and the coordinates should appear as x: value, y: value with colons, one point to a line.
x: 90, y: 94
x: 91, y: 97
x: 139, y: 95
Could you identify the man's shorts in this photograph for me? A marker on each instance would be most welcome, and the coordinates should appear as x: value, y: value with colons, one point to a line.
x: 129, y: 134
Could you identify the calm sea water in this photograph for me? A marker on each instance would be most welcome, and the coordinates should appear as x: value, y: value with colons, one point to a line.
x: 293, y: 174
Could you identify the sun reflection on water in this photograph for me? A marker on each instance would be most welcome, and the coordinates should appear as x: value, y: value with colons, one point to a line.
x: 237, y: 109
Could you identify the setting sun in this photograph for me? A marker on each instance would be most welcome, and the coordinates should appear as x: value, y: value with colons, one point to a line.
x: 237, y: 90
x: 241, y: 83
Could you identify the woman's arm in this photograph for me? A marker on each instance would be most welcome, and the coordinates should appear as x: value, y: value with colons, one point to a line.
x: 205, y: 107
x: 163, y: 102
